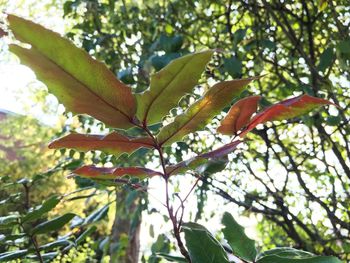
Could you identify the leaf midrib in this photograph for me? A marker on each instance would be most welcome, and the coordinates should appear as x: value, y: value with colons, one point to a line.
x: 167, y: 85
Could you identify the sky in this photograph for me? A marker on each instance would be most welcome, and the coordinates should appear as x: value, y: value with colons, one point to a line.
x: 18, y: 82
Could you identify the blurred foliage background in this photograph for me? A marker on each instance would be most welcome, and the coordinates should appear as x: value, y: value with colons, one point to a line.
x: 291, y: 178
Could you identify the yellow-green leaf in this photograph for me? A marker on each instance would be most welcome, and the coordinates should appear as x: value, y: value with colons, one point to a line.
x: 200, y: 113
x: 82, y: 84
x: 169, y: 85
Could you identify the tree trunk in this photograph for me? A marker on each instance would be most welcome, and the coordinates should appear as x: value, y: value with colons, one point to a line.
x: 125, y: 235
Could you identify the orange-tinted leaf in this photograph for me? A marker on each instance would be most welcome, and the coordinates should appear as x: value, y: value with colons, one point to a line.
x: 82, y: 84
x: 200, y: 113
x: 201, y: 160
x: 239, y: 115
x: 102, y: 173
x: 113, y: 143
x: 286, y: 109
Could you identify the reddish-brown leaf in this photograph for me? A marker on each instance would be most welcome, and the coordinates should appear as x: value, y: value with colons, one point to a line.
x: 103, y: 173
x: 286, y: 109
x: 239, y: 115
x: 202, y: 159
x: 113, y: 143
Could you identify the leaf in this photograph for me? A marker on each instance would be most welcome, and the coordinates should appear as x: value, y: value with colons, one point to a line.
x: 239, y: 115
x: 55, y: 244
x: 201, y: 161
x: 172, y: 258
x: 82, y: 84
x: 238, y: 36
x: 291, y: 255
x: 93, y: 172
x: 8, y: 256
x: 47, y: 257
x: 7, y: 237
x: 286, y: 109
x: 97, y: 215
x: 8, y: 219
x: 126, y: 76
x: 200, y: 113
x: 268, y: 44
x: 169, y: 85
x: 47, y: 206
x: 344, y: 46
x: 202, y: 246
x: 242, y: 246
x: 53, y: 224
x: 322, y: 5
x: 170, y: 44
x: 159, y: 62
x: 326, y: 59
x: 233, y: 66
x: 85, y: 234
x: 113, y: 143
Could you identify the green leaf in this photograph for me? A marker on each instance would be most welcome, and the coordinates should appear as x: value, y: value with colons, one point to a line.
x: 55, y: 244
x: 170, y: 44
x: 202, y: 246
x: 47, y: 206
x: 326, y: 59
x: 162, y: 244
x: 233, y: 66
x: 172, y: 258
x: 97, y: 215
x: 126, y: 76
x: 159, y: 62
x: 242, y: 246
x: 8, y: 219
x: 268, y: 44
x: 200, y: 113
x: 85, y: 234
x: 322, y: 5
x: 238, y: 36
x: 47, y: 257
x: 7, y: 237
x: 291, y: 255
x: 82, y: 84
x: 8, y: 256
x: 344, y: 46
x: 333, y: 120
x: 53, y: 224
x: 169, y: 85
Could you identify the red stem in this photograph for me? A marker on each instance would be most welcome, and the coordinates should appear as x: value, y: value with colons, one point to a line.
x: 172, y: 216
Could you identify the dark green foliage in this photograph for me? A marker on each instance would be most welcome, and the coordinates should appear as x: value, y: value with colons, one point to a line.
x: 202, y: 246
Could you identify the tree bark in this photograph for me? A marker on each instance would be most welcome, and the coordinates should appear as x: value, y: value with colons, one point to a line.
x: 125, y: 235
